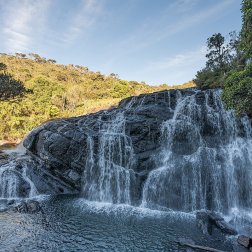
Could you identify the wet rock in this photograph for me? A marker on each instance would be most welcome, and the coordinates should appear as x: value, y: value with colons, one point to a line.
x: 20, y: 206
x: 73, y: 175
x: 225, y: 227
x: 206, y: 220
x: 3, y: 155
x: 15, y: 186
x: 3, y: 158
x: 10, y: 202
x: 29, y: 206
x: 245, y: 241
x: 60, y: 149
x: 183, y: 241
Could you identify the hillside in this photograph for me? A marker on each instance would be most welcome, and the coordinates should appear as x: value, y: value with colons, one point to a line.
x: 57, y: 91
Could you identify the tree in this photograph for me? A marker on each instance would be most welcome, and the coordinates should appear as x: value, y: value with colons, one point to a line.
x: 209, y: 78
x: 113, y: 75
x: 10, y: 88
x: 20, y: 55
x: 218, y: 52
x: 236, y: 54
x: 237, y: 93
x: 38, y: 58
x: 3, y: 67
x: 219, y: 58
x: 246, y: 31
x: 51, y: 61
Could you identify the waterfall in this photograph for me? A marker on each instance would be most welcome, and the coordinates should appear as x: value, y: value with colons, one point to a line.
x: 107, y: 173
x: 206, y: 158
x: 200, y: 158
x: 14, y: 181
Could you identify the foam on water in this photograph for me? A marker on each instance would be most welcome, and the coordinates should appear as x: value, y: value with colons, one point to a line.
x: 128, y: 210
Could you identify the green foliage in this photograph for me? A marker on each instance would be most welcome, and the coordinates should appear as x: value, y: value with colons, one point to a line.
x: 220, y: 58
x: 3, y: 67
x: 246, y: 31
x: 58, y: 91
x: 208, y: 78
x: 218, y: 53
x: 10, y: 88
x: 229, y: 65
x: 237, y: 93
x: 121, y: 89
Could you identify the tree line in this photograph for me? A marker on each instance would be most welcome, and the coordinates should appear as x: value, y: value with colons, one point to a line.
x: 229, y: 65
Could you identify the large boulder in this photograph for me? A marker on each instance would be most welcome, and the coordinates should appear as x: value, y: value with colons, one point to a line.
x: 108, y: 155
x: 207, y: 220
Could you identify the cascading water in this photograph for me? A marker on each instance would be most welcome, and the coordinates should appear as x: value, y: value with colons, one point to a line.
x: 206, y: 158
x: 178, y: 150
x: 14, y: 182
x: 108, y: 173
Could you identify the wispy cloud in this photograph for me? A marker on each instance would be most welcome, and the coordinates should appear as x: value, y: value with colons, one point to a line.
x: 178, y: 61
x: 182, y: 6
x: 176, y: 69
x: 85, y: 18
x: 193, y: 19
x: 22, y: 20
x: 153, y: 32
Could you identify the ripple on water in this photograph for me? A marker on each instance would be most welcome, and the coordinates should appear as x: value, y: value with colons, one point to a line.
x: 71, y: 224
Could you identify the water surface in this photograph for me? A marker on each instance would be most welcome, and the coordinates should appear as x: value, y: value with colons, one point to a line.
x: 73, y: 224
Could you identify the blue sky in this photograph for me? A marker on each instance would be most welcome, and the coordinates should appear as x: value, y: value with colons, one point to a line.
x: 156, y: 41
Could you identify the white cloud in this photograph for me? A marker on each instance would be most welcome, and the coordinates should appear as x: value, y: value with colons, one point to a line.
x: 85, y: 18
x: 153, y: 32
x: 176, y: 69
x: 178, y: 61
x: 22, y: 19
x: 198, y: 17
x: 182, y: 6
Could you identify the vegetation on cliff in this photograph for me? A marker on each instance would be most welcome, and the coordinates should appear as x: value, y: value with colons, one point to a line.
x: 34, y: 90
x: 229, y: 65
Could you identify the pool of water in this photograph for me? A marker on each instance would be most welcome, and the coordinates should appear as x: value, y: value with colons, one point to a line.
x: 73, y: 224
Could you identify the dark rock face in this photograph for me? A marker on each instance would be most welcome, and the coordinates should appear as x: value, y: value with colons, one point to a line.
x: 60, y: 147
x: 108, y: 156
x: 61, y: 150
x: 206, y: 220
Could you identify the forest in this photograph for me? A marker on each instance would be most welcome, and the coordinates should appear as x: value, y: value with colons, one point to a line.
x: 34, y: 90
x: 229, y: 65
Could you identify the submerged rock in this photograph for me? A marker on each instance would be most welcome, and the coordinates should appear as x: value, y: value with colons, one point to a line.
x: 21, y: 206
x: 29, y: 206
x: 206, y: 220
x: 245, y: 241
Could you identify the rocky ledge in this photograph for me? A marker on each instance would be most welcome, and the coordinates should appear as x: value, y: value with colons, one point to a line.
x: 60, y: 150
x: 60, y: 155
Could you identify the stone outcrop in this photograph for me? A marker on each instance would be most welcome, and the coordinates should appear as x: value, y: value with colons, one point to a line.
x: 207, y: 220
x: 108, y: 155
x: 60, y: 149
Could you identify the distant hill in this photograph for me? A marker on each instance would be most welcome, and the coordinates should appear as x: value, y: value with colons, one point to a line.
x: 56, y: 91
